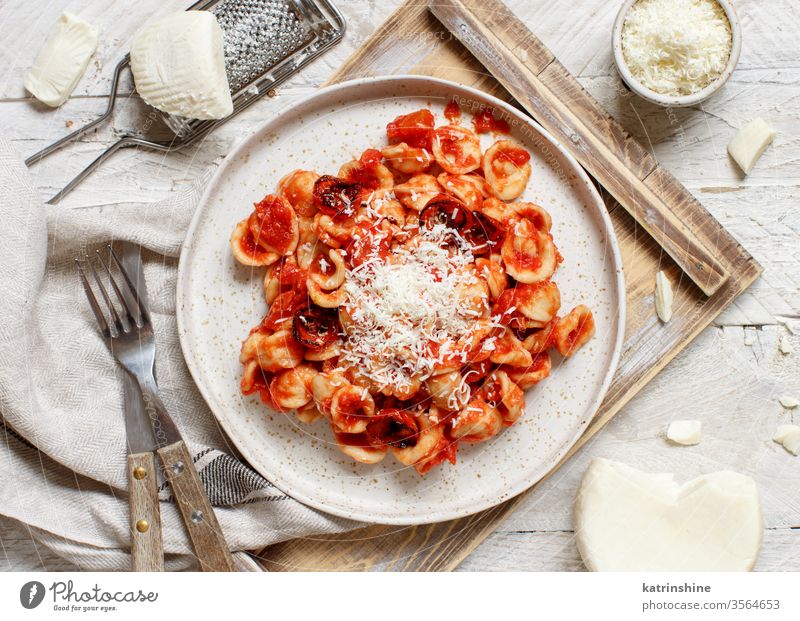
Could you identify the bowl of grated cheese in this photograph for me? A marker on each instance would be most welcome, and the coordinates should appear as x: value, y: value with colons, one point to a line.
x: 676, y: 53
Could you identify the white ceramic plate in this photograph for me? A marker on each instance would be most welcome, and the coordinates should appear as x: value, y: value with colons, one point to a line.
x: 219, y: 301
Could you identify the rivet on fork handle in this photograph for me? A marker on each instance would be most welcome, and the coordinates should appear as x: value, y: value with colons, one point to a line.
x: 201, y: 523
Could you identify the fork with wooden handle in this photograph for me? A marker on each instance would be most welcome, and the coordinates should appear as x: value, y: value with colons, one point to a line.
x: 130, y: 333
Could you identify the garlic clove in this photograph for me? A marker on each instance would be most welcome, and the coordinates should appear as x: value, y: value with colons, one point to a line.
x: 663, y: 297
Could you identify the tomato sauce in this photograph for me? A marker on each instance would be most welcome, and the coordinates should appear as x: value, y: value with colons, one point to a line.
x: 519, y: 157
x: 282, y: 309
x: 248, y: 245
x: 525, y: 261
x: 452, y: 112
x: 273, y: 219
x: 368, y: 242
x: 486, y: 122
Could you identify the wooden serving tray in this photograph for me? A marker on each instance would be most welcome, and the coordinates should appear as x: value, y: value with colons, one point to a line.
x: 413, y: 41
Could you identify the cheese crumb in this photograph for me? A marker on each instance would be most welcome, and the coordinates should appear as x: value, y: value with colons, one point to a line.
x: 785, y: 345
x: 749, y: 143
x: 789, y: 436
x: 686, y: 432
x: 676, y: 47
x: 788, y: 402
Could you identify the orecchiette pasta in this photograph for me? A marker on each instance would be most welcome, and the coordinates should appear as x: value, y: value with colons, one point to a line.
x: 457, y: 149
x: 528, y: 253
x: 297, y: 187
x: 507, y: 169
x: 410, y: 305
x: 417, y: 191
x: 406, y: 159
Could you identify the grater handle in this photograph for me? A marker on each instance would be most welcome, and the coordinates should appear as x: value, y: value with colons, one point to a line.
x: 127, y: 141
x: 36, y: 157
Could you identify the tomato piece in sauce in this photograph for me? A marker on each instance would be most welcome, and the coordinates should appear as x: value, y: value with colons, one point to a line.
x: 485, y: 234
x: 503, y: 306
x: 490, y: 391
x: 363, y: 172
x: 334, y: 196
x: 415, y: 129
x: 368, y: 242
x: 283, y: 309
x: 371, y: 158
x: 485, y: 122
x: 291, y: 276
x: 442, y: 209
x: 315, y: 327
x: 272, y: 223
x: 393, y: 427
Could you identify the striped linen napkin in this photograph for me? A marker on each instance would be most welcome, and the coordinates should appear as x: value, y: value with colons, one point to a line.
x: 63, y: 458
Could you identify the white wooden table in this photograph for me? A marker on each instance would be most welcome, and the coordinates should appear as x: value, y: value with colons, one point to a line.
x: 729, y: 378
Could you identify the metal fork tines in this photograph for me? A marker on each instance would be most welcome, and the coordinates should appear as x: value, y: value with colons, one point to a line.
x: 127, y: 325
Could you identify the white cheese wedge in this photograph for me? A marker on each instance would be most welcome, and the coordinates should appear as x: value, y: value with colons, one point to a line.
x: 178, y: 64
x: 629, y: 520
x: 663, y: 297
x: 686, y: 432
x: 789, y: 436
x: 62, y: 60
x: 750, y: 142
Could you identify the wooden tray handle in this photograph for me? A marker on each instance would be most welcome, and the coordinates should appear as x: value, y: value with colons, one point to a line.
x: 204, y: 532
x: 500, y: 41
x: 147, y: 548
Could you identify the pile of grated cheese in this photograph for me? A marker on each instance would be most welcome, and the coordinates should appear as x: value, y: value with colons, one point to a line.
x: 676, y: 47
x: 408, y: 310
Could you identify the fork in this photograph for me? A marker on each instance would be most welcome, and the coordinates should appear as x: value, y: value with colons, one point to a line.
x: 131, y: 339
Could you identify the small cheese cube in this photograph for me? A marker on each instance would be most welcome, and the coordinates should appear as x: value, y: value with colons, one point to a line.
x: 750, y: 142
x: 789, y: 436
x: 686, y: 432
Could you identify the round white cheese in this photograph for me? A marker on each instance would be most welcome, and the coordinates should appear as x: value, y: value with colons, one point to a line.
x: 629, y: 520
x: 178, y: 65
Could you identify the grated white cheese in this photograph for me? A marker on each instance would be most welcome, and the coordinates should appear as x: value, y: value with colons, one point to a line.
x: 409, y: 309
x: 676, y: 47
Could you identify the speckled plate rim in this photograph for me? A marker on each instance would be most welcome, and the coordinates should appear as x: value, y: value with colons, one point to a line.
x: 274, y: 476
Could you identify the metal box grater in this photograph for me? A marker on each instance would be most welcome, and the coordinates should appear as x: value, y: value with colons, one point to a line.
x: 265, y: 42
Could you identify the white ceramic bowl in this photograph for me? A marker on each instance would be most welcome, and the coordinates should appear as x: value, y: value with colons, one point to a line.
x: 681, y: 101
